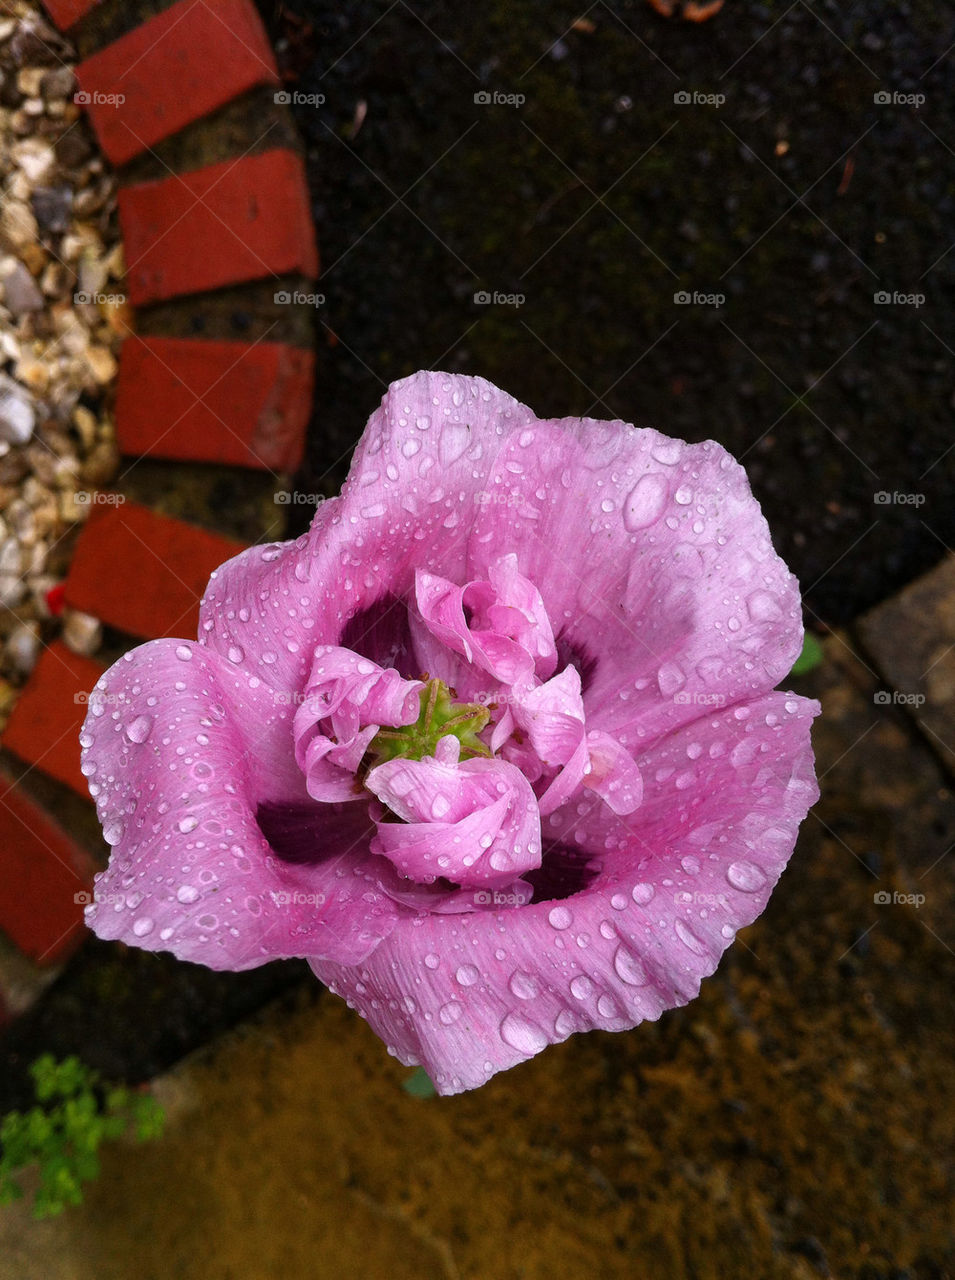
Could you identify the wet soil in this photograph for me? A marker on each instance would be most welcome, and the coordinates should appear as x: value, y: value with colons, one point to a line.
x: 584, y: 190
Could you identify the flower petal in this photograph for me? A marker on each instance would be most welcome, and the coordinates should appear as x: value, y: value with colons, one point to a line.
x: 176, y: 770
x: 493, y: 988
x: 474, y: 823
x: 653, y: 558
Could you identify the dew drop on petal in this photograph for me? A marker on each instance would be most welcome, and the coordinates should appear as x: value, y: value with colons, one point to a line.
x: 236, y: 653
x: 138, y: 730
x: 187, y: 893
x: 142, y: 926
x: 187, y: 824
x: 431, y: 961
x: 642, y: 894
x: 467, y: 975
x: 628, y: 968
x: 522, y: 1035
x: 745, y: 876
x: 524, y: 985
x: 183, y: 653
x: 645, y: 503
x: 581, y: 987
x: 688, y: 937
x: 561, y: 917
x: 618, y: 902
x: 450, y: 1012
x: 113, y: 832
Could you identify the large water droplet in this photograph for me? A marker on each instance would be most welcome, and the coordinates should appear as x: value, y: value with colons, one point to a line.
x: 645, y: 503
x: 642, y: 894
x: 628, y: 968
x: 187, y: 824
x: 467, y: 975
x: 745, y: 876
x: 187, y: 893
x: 524, y: 985
x: 522, y: 1035
x: 138, y: 730
x: 688, y: 938
x: 581, y: 987
x: 113, y: 832
x: 450, y: 1012
x: 561, y: 917
x: 142, y: 926
x: 183, y: 653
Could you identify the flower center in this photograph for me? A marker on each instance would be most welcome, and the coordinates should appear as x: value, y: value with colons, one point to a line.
x: 439, y: 717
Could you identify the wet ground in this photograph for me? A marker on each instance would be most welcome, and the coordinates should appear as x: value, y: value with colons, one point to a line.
x: 598, y: 198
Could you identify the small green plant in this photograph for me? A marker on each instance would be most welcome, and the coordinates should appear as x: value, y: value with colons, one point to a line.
x: 62, y: 1134
x: 811, y: 657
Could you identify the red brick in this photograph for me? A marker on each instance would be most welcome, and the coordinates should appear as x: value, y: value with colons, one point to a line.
x: 42, y: 874
x: 44, y: 726
x: 65, y: 12
x: 175, y: 68
x: 224, y: 402
x: 234, y: 221
x: 144, y: 573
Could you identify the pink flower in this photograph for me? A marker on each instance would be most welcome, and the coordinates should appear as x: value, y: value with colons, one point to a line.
x: 494, y: 745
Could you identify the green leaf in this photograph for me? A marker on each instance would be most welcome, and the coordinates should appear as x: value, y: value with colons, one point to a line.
x: 419, y: 1084
x: 810, y: 658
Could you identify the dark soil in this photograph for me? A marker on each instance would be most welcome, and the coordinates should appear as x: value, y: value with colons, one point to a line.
x: 599, y: 198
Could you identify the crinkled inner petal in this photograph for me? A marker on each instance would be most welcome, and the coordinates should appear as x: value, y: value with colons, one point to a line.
x: 500, y: 986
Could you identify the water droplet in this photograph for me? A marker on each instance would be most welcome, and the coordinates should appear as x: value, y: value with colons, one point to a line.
x: 440, y: 806
x: 113, y: 832
x: 645, y: 503
x: 187, y: 893
x: 745, y: 876
x: 187, y: 824
x: 628, y: 968
x: 522, y: 1035
x: 642, y: 894
x: 467, y: 975
x: 142, y: 926
x: 606, y: 1007
x: 410, y: 448
x: 561, y: 917
x: 183, y: 653
x: 450, y: 1012
x: 688, y: 938
x: 581, y: 987
x: 762, y: 607
x: 138, y: 730
x: 236, y: 653
x: 432, y: 961
x: 524, y: 985
x: 565, y: 1023
x: 618, y: 902
x: 667, y: 451
x: 670, y: 678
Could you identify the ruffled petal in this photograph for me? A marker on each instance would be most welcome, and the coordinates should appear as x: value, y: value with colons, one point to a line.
x: 679, y: 877
x: 655, y: 566
x: 175, y: 767
x: 475, y: 823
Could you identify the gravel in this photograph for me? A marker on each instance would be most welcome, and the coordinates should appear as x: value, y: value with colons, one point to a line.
x: 62, y: 319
